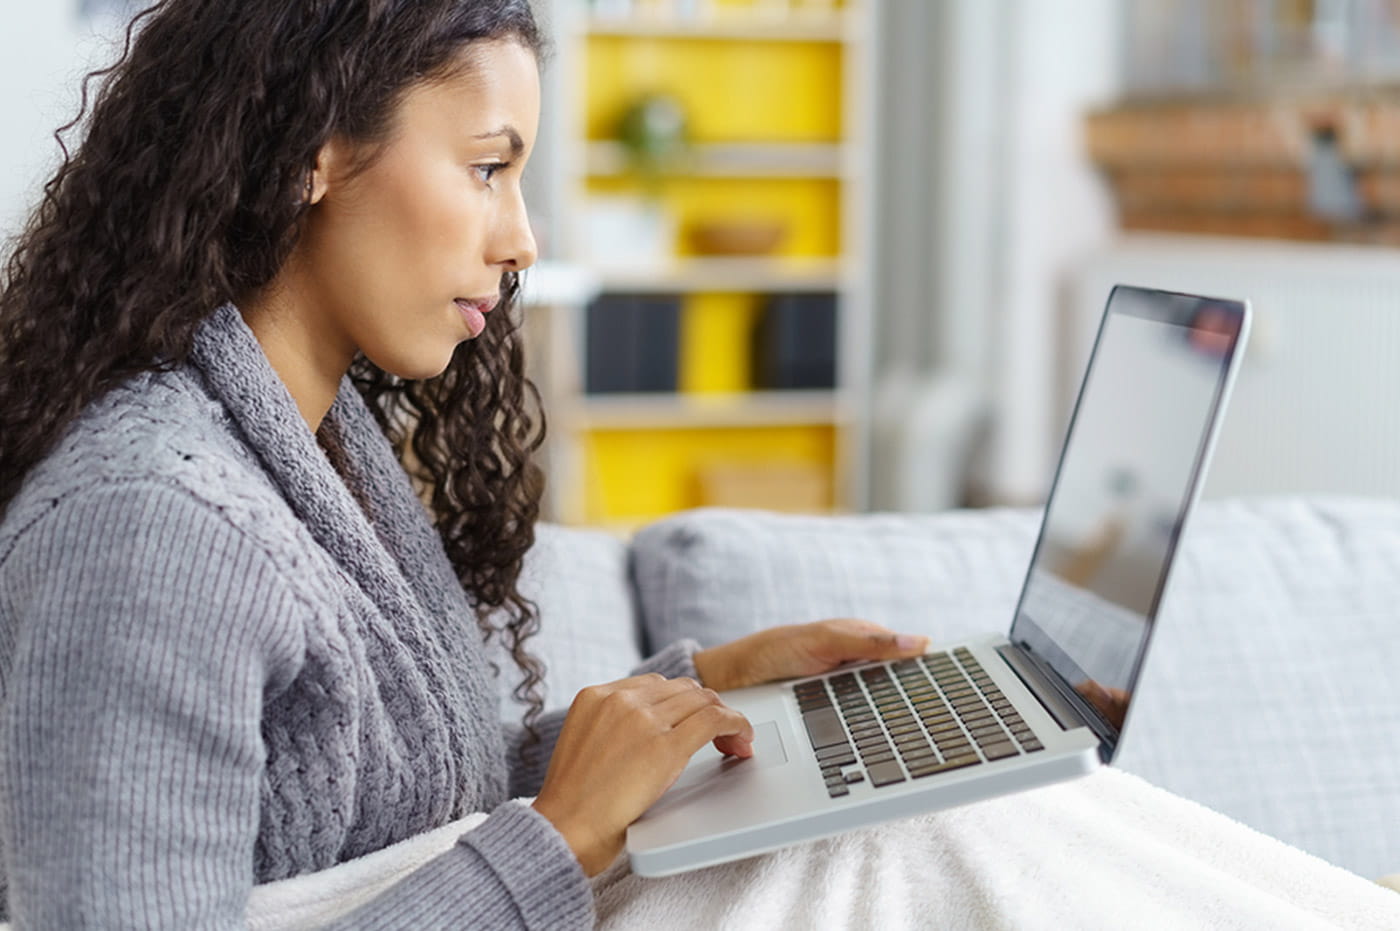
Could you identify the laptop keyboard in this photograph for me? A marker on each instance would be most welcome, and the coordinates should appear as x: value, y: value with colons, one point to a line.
x: 909, y: 719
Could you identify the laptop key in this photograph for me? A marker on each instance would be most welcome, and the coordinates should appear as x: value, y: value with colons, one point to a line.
x: 837, y: 754
x: 958, y: 762
x: 824, y: 728
x: 886, y: 773
x: 918, y: 769
x: 1000, y: 751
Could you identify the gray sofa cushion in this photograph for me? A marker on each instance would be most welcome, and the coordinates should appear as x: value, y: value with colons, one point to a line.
x: 717, y: 574
x: 1270, y: 694
x: 588, y: 621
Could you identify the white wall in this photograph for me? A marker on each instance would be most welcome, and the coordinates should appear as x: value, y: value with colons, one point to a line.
x: 986, y: 199
x: 44, y: 51
x: 1312, y: 411
x: 1062, y: 58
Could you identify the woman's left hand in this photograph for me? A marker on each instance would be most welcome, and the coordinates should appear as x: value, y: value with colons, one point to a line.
x: 801, y: 650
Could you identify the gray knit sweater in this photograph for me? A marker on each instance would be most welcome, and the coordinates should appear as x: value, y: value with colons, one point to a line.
x: 224, y: 661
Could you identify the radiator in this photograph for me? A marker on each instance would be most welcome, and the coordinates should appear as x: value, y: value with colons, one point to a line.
x: 1316, y: 409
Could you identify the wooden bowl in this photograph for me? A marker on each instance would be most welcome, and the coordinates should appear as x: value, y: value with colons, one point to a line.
x: 737, y: 237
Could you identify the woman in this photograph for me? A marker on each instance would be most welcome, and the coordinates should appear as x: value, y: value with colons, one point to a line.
x: 233, y: 646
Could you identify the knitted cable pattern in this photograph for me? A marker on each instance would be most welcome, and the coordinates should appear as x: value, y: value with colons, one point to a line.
x: 380, y: 716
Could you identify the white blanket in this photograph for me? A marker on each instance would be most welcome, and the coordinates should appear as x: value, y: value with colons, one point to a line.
x: 1106, y: 851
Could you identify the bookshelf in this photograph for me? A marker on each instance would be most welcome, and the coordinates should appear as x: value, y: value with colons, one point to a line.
x: 700, y: 275
x: 738, y: 22
x: 756, y: 393
x: 606, y: 158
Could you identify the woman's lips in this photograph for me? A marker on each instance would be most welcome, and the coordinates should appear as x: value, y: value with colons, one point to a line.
x: 474, y: 312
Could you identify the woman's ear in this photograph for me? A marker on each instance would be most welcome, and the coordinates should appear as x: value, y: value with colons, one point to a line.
x: 330, y: 164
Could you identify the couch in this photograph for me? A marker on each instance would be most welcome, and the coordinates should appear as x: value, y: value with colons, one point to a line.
x: 1270, y: 694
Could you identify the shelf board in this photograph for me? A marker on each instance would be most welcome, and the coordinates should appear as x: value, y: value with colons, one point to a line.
x: 549, y: 283
x: 608, y: 159
x: 681, y: 411
x: 788, y: 26
x: 690, y: 275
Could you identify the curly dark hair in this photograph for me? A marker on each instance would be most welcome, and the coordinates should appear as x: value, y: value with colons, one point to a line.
x: 185, y: 194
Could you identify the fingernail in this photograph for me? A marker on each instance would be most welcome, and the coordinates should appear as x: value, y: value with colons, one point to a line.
x: 910, y: 642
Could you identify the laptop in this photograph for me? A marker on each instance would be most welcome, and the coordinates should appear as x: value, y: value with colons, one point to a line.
x: 1047, y: 702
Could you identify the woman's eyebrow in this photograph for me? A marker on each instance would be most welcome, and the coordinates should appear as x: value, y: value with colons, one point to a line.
x: 517, y: 145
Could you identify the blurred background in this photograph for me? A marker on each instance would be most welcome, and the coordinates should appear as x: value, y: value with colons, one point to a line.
x: 847, y: 255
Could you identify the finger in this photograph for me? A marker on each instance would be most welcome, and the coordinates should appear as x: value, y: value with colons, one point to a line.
x: 711, y: 722
x: 661, y: 688
x: 734, y: 746
x: 625, y: 698
x: 603, y: 689
x: 874, y: 643
x: 655, y: 680
x: 681, y: 705
x: 656, y: 687
x: 856, y: 624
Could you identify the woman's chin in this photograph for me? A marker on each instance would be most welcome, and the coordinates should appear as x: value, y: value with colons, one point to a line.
x: 421, y: 368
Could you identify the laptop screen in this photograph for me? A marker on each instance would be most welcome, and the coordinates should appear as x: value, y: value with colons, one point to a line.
x: 1133, y: 456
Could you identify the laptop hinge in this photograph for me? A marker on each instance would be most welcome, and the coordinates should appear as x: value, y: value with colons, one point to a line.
x: 1041, y: 686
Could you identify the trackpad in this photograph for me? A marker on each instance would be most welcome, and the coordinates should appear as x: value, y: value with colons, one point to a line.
x: 709, y: 763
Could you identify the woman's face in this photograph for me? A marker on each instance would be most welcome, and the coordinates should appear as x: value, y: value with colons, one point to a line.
x: 403, y: 260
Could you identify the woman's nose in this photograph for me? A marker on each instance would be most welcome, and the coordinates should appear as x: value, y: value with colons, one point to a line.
x: 515, y: 246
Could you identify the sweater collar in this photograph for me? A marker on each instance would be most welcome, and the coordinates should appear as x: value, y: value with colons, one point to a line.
x: 386, y: 547
x: 238, y: 374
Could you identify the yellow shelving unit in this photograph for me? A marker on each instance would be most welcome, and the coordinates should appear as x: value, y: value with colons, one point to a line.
x: 780, y: 127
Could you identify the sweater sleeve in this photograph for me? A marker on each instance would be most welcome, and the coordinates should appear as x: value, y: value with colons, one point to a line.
x: 147, y: 630
x: 529, y: 760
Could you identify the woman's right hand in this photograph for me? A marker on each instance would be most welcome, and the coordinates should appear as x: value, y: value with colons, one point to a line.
x: 621, y: 746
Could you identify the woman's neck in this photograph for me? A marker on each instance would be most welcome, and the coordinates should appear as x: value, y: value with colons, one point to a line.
x: 302, y: 351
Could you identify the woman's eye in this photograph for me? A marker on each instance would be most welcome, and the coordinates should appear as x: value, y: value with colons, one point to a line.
x: 488, y: 171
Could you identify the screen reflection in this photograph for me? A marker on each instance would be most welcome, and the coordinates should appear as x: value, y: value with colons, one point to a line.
x: 1125, y: 478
